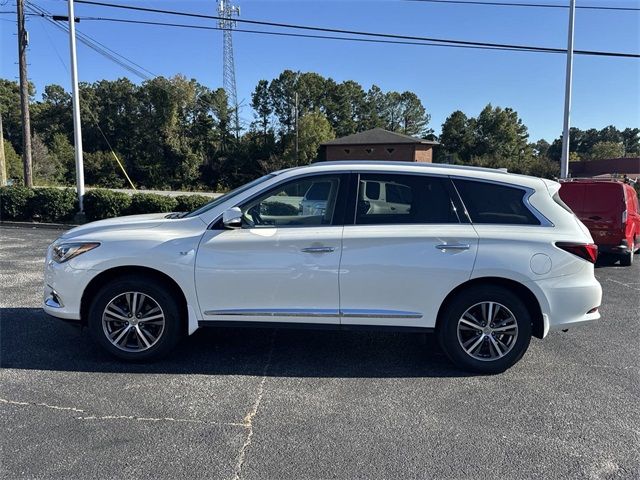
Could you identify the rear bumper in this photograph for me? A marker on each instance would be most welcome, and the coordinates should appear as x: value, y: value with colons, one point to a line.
x: 569, y: 301
x: 621, y: 248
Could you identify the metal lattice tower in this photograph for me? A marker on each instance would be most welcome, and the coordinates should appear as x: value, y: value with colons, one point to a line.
x: 227, y: 10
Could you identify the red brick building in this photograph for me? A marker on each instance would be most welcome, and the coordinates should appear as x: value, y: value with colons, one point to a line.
x: 378, y: 144
x: 629, y: 166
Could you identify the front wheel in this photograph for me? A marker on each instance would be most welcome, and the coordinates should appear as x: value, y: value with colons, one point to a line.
x: 135, y: 318
x: 485, y: 329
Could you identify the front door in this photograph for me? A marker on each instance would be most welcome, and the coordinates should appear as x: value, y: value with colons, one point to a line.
x: 400, y: 261
x: 282, y: 265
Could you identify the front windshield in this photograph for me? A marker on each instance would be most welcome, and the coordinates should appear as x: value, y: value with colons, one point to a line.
x: 228, y: 195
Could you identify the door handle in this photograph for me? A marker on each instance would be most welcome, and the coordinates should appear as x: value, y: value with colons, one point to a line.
x: 453, y: 246
x: 318, y: 249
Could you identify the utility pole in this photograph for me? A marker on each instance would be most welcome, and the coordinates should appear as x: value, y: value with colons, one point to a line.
x: 564, y: 160
x: 297, y: 136
x: 75, y: 98
x: 23, y: 42
x: 3, y: 163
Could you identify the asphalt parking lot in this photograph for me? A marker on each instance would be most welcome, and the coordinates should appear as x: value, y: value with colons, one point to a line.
x: 256, y: 404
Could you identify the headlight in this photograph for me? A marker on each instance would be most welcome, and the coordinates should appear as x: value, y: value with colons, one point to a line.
x: 66, y: 251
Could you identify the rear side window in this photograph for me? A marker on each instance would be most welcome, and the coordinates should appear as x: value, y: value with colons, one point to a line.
x: 407, y: 199
x: 493, y: 203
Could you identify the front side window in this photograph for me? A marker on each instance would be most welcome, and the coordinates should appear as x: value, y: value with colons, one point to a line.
x: 307, y: 201
x: 403, y: 199
x: 494, y: 203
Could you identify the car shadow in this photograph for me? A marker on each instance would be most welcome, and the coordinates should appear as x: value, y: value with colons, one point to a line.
x: 31, y: 340
x: 605, y: 260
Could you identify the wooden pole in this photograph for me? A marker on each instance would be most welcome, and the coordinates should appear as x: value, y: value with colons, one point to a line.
x: 23, y: 41
x: 3, y: 162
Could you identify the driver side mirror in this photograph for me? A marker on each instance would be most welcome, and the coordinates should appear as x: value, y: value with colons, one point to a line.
x: 232, y: 218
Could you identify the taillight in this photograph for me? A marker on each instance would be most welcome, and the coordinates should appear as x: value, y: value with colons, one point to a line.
x: 587, y: 251
x: 624, y: 217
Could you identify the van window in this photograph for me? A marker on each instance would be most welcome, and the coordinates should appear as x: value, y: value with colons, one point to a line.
x: 494, y: 203
x: 408, y: 199
x: 372, y: 190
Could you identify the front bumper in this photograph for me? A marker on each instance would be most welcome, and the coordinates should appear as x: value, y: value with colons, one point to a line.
x: 63, y: 289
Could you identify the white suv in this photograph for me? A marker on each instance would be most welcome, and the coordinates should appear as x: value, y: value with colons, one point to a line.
x: 483, y: 258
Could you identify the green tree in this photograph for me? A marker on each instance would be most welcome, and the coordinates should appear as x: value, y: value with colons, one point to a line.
x: 314, y: 130
x: 261, y: 105
x: 414, y: 117
x: 499, y: 131
x: 282, y: 93
x: 13, y: 162
x: 52, y: 115
x: 46, y: 168
x: 10, y: 110
x: 345, y: 106
x: 607, y: 150
x: 62, y: 154
x: 457, y: 137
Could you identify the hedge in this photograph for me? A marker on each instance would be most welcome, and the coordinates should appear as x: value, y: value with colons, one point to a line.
x: 151, y: 203
x: 14, y: 203
x: 53, y: 204
x: 102, y: 203
x: 188, y: 203
x: 60, y: 205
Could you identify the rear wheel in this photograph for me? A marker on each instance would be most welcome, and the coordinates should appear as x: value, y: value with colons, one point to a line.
x: 626, y: 259
x: 135, y: 318
x: 485, y: 329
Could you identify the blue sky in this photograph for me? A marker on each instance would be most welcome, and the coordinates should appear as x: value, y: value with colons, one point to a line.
x: 606, y: 90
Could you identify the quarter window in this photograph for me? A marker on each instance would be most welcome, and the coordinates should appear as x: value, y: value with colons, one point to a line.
x: 303, y: 202
x: 403, y: 199
x: 493, y: 203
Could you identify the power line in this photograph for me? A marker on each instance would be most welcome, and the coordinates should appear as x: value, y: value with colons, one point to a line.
x: 302, y: 35
x: 98, y: 47
x: 528, y: 5
x: 361, y: 33
x: 46, y: 15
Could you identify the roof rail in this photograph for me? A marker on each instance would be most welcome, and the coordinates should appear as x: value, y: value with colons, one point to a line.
x: 600, y: 178
x: 413, y: 164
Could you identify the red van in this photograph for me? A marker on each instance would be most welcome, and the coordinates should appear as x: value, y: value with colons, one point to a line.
x: 609, y: 209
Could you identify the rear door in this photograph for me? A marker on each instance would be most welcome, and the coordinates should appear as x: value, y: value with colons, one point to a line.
x: 604, y: 204
x: 400, y: 260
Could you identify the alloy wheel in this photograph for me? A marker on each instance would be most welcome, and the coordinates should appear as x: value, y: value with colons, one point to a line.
x: 487, y: 331
x: 133, y: 321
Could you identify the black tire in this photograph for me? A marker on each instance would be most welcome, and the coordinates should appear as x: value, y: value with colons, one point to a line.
x: 448, y: 332
x: 159, y: 293
x: 626, y: 259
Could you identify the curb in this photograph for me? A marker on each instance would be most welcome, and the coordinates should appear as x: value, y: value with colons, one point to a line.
x: 51, y: 226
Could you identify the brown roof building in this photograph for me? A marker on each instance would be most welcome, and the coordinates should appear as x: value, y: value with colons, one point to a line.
x: 629, y: 166
x: 378, y: 144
